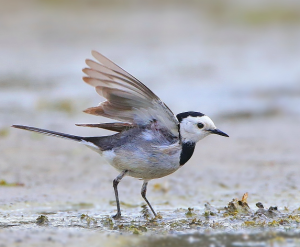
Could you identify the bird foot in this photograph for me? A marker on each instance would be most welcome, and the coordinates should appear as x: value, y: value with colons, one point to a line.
x: 117, y: 216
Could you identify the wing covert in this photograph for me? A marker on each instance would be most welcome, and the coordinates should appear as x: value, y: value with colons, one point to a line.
x: 127, y: 99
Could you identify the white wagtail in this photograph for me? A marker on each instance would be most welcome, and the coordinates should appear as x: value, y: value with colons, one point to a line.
x: 151, y: 141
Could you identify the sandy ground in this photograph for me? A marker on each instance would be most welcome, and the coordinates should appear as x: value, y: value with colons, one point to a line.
x: 237, y: 63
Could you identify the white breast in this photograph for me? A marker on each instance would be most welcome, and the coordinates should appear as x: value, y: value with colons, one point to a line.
x: 144, y: 163
x: 109, y: 155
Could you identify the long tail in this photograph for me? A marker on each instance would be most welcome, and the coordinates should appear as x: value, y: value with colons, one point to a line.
x: 50, y: 133
x: 92, y: 142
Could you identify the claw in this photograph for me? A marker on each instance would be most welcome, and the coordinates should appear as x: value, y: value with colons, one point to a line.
x: 117, y: 216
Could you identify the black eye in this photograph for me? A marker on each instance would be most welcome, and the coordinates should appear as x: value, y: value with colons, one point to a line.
x: 200, y: 125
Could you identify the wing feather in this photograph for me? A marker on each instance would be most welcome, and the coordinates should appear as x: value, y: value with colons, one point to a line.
x: 127, y: 99
x: 118, y: 127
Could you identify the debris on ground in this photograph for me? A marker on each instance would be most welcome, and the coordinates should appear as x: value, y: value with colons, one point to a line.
x: 190, y: 213
x: 238, y: 206
x: 270, y: 213
x: 42, y: 220
x: 210, y: 210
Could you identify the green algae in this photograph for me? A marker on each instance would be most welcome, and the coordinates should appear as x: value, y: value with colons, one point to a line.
x: 5, y: 183
x: 190, y: 213
x: 4, y: 132
x: 89, y: 220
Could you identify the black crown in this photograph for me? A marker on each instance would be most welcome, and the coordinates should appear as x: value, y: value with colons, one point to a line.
x: 184, y: 115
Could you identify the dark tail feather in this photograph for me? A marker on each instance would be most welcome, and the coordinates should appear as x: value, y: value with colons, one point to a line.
x: 50, y: 133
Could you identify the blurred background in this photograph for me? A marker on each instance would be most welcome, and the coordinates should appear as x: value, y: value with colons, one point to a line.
x: 217, y: 57
x: 236, y: 61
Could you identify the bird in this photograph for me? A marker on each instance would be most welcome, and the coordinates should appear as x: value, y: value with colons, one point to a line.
x: 150, y: 141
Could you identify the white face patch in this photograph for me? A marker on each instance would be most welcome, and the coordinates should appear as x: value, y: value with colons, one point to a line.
x: 189, y: 130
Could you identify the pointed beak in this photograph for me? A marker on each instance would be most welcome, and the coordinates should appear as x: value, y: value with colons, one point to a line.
x: 218, y: 132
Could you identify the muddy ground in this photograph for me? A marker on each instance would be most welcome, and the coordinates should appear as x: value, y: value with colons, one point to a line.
x: 237, y: 63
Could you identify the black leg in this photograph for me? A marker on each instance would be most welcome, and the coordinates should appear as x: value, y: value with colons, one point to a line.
x: 143, y: 192
x: 115, y: 184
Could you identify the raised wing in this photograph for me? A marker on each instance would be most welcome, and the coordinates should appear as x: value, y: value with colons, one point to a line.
x: 127, y: 99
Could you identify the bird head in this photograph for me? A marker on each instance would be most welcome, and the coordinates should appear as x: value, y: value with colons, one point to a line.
x: 194, y: 126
